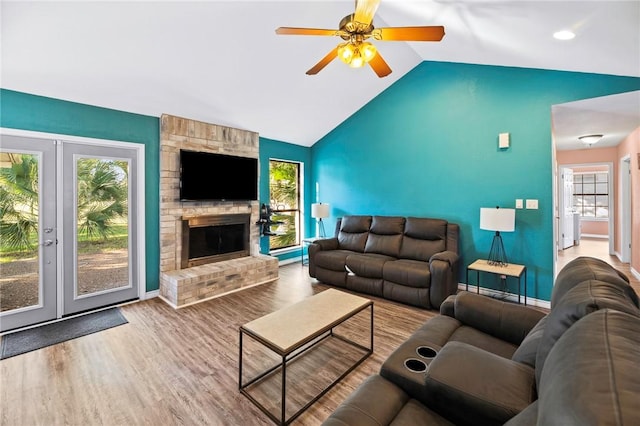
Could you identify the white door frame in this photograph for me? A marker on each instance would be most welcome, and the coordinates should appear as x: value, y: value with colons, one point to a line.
x: 625, y: 209
x: 140, y: 199
x: 562, y: 208
x: 612, y: 213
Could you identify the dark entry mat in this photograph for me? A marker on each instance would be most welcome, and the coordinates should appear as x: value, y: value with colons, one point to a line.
x: 39, y: 337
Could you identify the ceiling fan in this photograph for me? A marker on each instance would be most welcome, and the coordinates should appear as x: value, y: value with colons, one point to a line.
x: 356, y: 29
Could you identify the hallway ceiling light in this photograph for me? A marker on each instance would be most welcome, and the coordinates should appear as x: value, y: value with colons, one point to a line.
x: 590, y: 139
x: 564, y: 35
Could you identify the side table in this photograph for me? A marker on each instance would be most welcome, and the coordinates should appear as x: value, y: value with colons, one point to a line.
x: 305, y: 243
x: 509, y: 270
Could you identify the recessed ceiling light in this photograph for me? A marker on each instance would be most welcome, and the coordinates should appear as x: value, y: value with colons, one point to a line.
x: 564, y: 35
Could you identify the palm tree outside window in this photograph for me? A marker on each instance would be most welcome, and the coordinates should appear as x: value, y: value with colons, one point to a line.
x: 284, y: 187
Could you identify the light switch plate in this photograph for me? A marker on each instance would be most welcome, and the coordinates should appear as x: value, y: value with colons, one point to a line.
x: 532, y: 204
x: 519, y: 203
x: 503, y: 140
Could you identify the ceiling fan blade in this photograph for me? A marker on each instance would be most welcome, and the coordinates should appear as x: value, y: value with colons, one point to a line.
x: 380, y: 66
x: 409, y: 33
x: 323, y: 62
x: 305, y: 31
x: 365, y: 9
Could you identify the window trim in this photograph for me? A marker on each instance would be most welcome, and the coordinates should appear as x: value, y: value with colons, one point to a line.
x: 595, y: 194
x: 299, y: 210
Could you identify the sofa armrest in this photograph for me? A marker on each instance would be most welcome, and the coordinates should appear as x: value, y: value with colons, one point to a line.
x: 448, y: 306
x: 375, y: 402
x: 506, y: 321
x: 447, y: 256
x: 317, y: 246
x: 327, y: 244
x: 444, y: 276
x: 469, y: 385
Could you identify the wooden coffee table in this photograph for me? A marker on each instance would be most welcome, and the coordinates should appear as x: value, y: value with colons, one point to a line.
x: 291, y: 331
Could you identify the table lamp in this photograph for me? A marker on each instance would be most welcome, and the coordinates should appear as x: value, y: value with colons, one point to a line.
x: 499, y: 220
x: 320, y: 211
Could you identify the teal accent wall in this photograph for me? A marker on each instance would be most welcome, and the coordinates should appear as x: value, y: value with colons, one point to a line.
x: 428, y: 146
x: 272, y: 149
x: 41, y: 114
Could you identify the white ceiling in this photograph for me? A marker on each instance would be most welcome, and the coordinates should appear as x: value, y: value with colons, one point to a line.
x: 613, y: 116
x: 221, y: 61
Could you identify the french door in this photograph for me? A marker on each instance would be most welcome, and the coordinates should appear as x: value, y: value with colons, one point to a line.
x: 68, y: 227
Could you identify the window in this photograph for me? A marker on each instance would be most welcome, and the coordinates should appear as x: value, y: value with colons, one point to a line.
x: 591, y: 195
x: 284, y: 187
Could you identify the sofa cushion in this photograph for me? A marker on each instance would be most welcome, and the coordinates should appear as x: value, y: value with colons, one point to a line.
x: 468, y: 385
x: 333, y: 260
x: 385, y: 235
x: 581, y: 300
x: 407, y: 272
x: 423, y: 238
x: 387, y: 225
x: 487, y: 342
x: 378, y: 402
x: 367, y: 265
x: 591, y: 374
x: 354, y: 231
x: 504, y: 320
x: 583, y: 269
x: 526, y: 352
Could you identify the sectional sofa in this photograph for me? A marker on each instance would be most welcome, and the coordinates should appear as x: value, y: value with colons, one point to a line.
x: 406, y: 259
x: 489, y: 362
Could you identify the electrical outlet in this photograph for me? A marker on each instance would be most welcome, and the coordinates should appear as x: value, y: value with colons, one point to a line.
x: 519, y: 203
x: 532, y: 204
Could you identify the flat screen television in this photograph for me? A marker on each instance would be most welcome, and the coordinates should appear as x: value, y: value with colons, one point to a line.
x: 217, y: 177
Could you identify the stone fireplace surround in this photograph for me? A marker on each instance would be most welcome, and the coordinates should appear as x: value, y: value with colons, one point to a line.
x: 181, y: 287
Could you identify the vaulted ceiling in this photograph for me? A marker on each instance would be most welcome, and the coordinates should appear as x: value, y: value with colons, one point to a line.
x: 221, y: 61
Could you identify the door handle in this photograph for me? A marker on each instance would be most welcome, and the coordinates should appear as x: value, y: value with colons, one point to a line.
x: 48, y: 230
x: 47, y: 242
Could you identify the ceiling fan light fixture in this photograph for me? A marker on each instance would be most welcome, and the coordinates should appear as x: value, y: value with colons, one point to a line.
x: 368, y: 51
x: 357, y: 61
x: 346, y: 52
x: 590, y: 139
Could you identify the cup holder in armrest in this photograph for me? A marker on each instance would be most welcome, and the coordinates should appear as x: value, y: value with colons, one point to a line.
x: 426, y: 352
x: 415, y: 365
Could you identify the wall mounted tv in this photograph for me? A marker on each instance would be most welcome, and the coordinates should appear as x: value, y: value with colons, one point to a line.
x: 217, y: 177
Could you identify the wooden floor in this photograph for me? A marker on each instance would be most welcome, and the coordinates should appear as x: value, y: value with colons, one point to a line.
x: 175, y: 367
x: 180, y: 367
x: 599, y: 248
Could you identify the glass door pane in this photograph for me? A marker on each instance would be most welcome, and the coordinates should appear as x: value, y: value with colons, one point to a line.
x: 19, y: 251
x: 102, y: 225
x: 99, y: 216
x: 27, y: 232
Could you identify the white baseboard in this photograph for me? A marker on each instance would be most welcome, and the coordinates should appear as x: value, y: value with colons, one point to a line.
x: 601, y: 236
x: 635, y: 273
x: 506, y: 296
x: 289, y: 261
x: 151, y: 294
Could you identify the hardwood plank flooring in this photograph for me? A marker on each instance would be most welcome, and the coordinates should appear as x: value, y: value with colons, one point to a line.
x: 180, y: 367
x: 177, y: 367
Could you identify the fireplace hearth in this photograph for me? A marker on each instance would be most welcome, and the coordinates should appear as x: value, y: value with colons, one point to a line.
x: 214, y: 238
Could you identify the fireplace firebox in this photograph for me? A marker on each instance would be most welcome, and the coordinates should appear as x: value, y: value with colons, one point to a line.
x: 214, y: 238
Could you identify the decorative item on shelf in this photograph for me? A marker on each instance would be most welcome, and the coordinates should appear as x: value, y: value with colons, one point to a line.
x: 320, y: 211
x: 590, y: 139
x: 499, y: 220
x: 265, y: 222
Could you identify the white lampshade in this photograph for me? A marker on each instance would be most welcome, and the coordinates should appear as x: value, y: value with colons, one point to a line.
x: 495, y: 219
x: 319, y: 210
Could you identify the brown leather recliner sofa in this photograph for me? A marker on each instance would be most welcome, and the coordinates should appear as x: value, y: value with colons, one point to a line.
x: 409, y: 260
x: 488, y: 362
